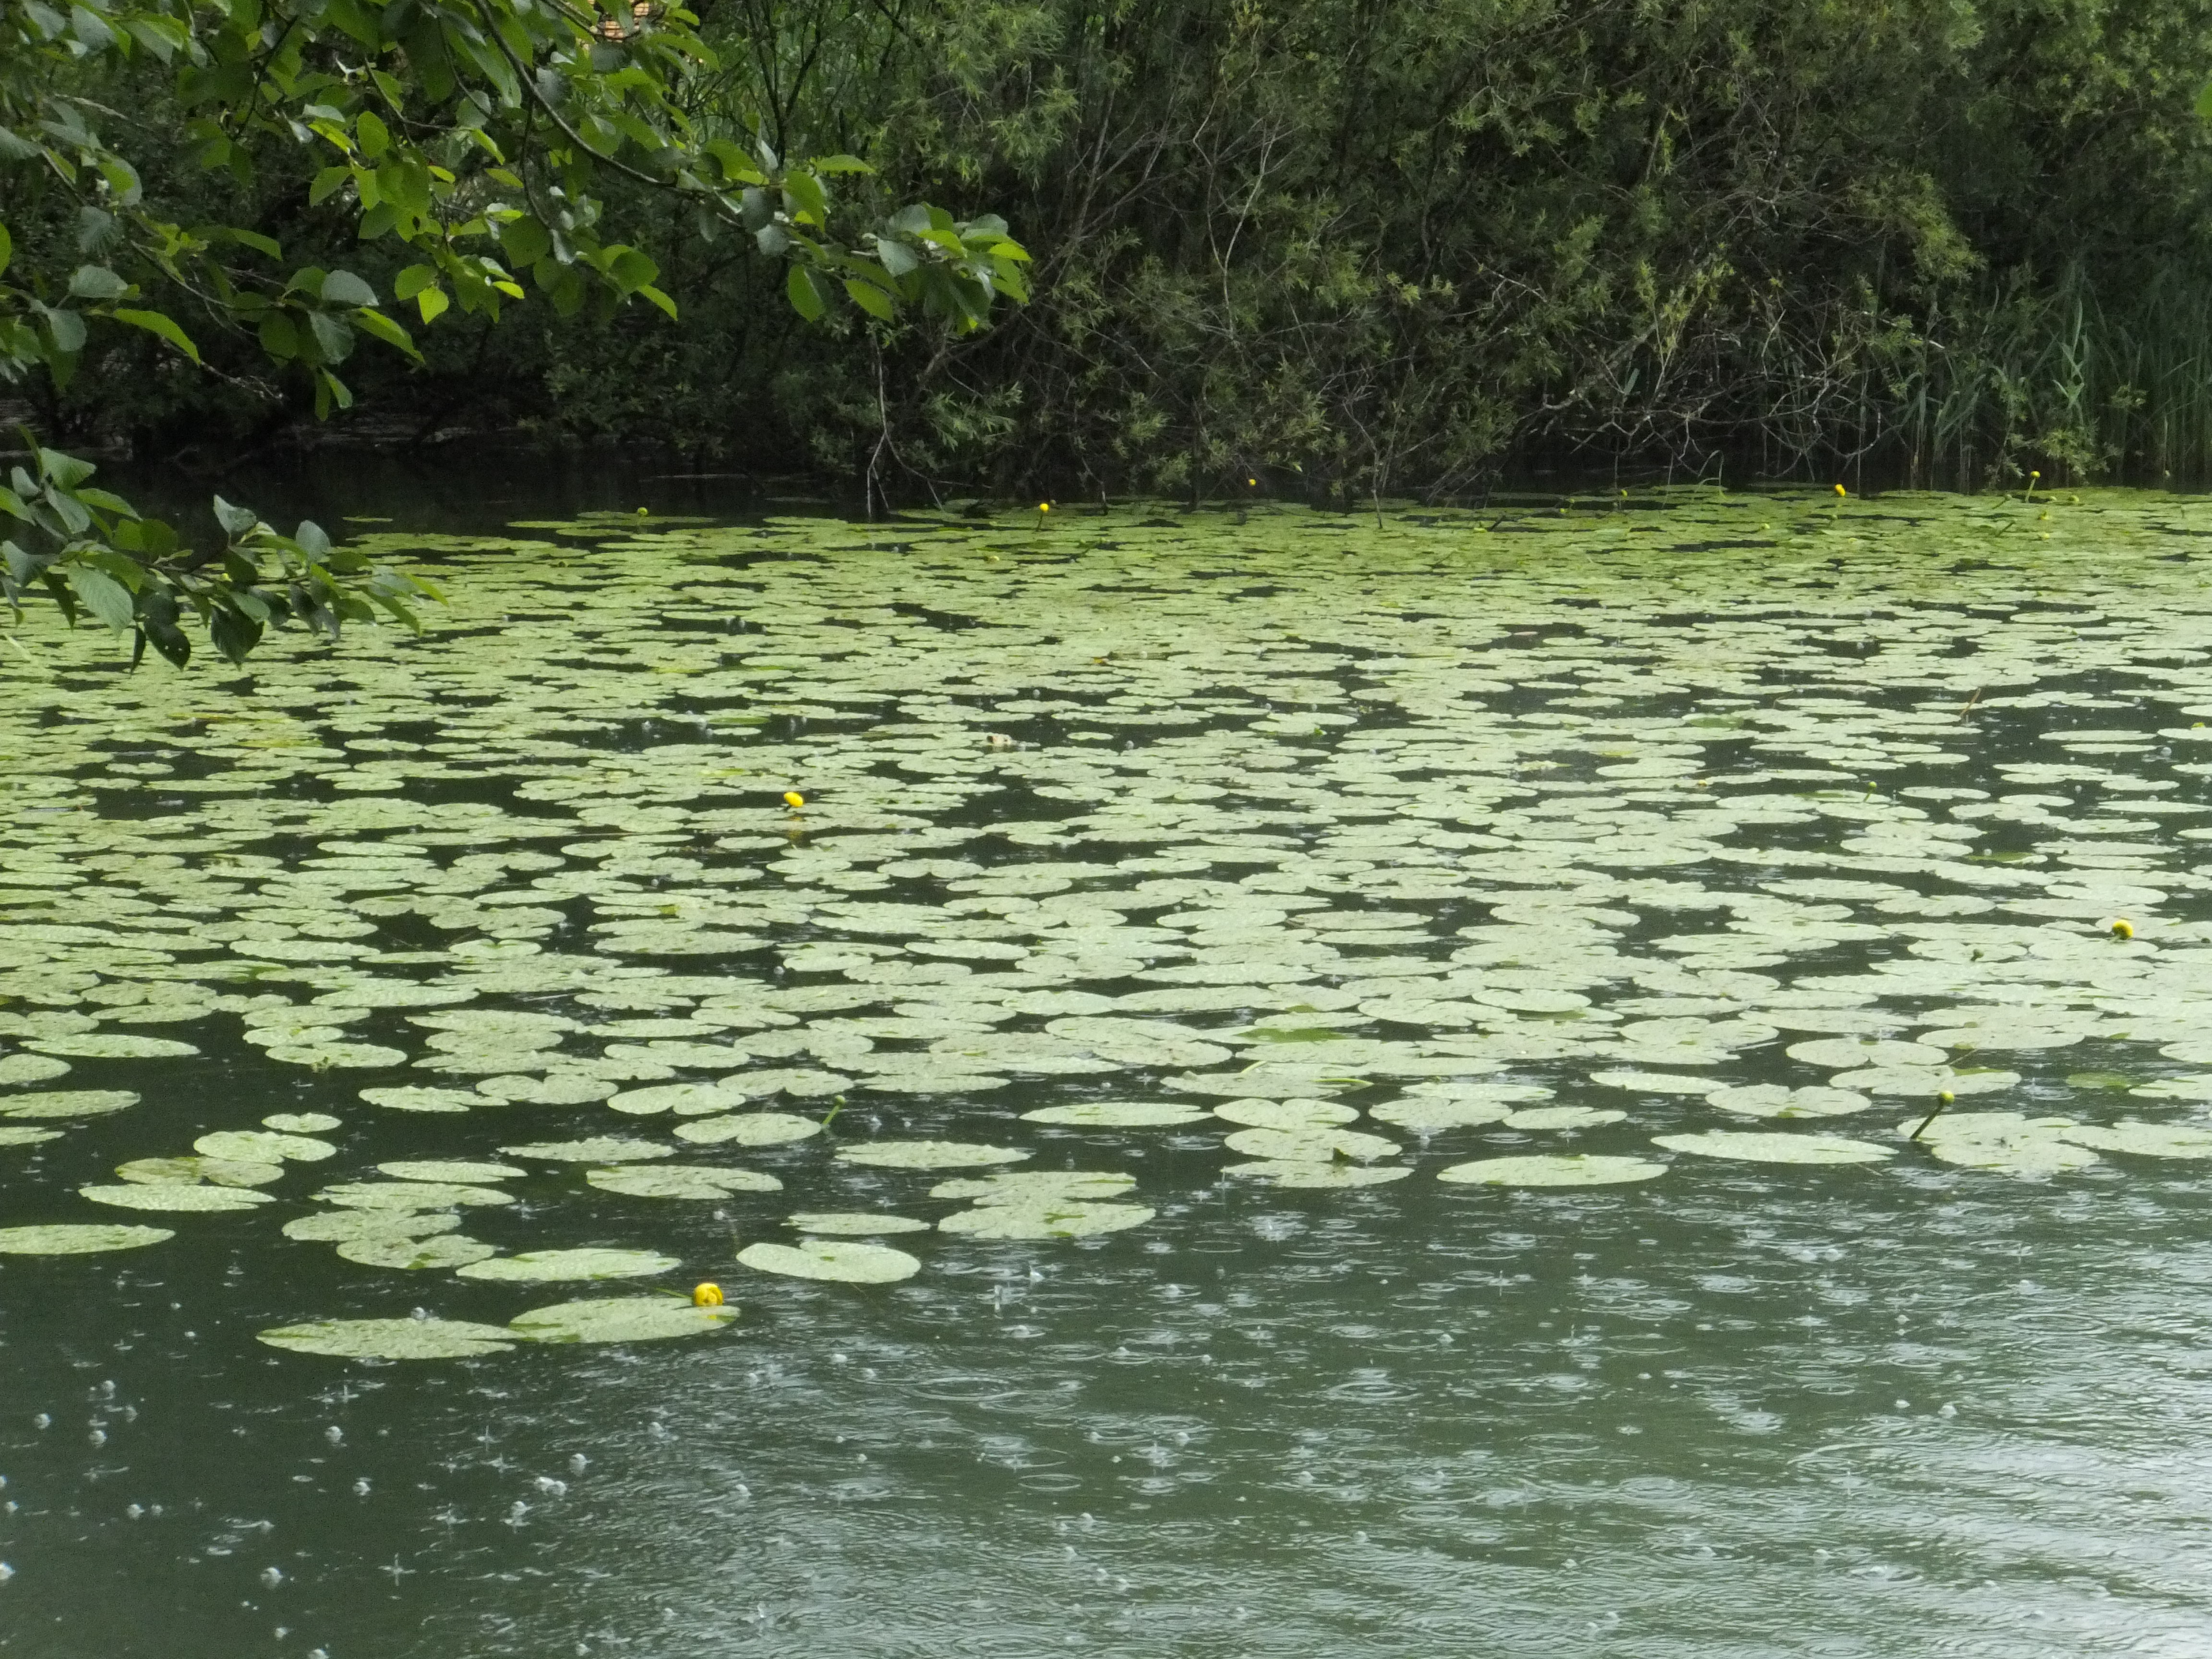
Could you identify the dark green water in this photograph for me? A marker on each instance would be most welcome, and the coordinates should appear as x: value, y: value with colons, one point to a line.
x: 1286, y: 810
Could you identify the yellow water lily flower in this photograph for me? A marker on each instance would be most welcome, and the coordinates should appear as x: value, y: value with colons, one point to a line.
x: 2122, y: 928
x: 706, y: 1296
x: 793, y: 799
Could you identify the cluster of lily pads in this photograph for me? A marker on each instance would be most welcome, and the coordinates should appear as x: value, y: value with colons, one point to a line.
x: 1534, y: 849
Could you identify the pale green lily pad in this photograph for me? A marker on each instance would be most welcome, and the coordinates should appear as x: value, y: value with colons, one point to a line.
x: 338, y: 1226
x: 167, y: 1195
x: 1655, y: 1083
x: 1553, y: 1170
x: 1117, y: 1114
x: 1756, y: 1147
x: 621, y: 1319
x: 537, y: 1264
x: 600, y: 1149
x: 409, y: 1195
x: 78, y: 1239
x: 1294, y: 1172
x: 857, y: 1223
x: 1047, y: 1219
x: 1774, y: 1100
x: 112, y: 1045
x: 684, y: 1099
x: 409, y: 1098
x: 1310, y: 1145
x: 928, y: 1154
x: 1562, y: 1117
x: 833, y: 1259
x: 1292, y: 1116
x: 68, y: 1103
x: 391, y: 1339
x: 2145, y: 1139
x: 2004, y: 1143
x: 747, y: 1129
x: 681, y: 1180
x: 1424, y: 1115
x: 446, y: 1250
x: 449, y: 1168
x: 31, y: 1068
x: 301, y: 1123
x: 327, y: 1056
x: 1037, y: 1186
x: 263, y: 1145
x: 23, y: 1134
x: 189, y: 1171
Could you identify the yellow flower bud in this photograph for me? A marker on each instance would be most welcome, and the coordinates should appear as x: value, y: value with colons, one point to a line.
x: 706, y: 1296
x: 793, y: 799
x: 1840, y: 490
x: 2122, y: 928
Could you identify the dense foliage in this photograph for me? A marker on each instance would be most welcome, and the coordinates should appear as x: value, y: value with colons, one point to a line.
x: 1358, y: 245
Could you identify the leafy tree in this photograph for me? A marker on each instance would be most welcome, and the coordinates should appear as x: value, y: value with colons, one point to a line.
x: 481, y: 140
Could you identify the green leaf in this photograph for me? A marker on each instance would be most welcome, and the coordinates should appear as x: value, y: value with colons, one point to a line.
x: 805, y: 287
x: 105, y: 596
x: 374, y: 137
x: 96, y: 282
x: 375, y: 322
x: 525, y: 242
x: 236, y: 521
x: 343, y: 288
x: 327, y: 183
x: 232, y: 634
x: 412, y: 281
x: 871, y: 299
x: 659, y: 299
x: 6, y: 248
x: 332, y: 338
x: 155, y: 323
x: 839, y: 164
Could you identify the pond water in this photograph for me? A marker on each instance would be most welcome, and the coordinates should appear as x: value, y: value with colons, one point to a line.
x: 1290, y: 1086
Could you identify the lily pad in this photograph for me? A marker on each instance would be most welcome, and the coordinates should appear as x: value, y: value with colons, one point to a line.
x: 78, y: 1239
x: 1756, y: 1147
x: 747, y: 1129
x: 1037, y: 1186
x: 684, y: 1099
x: 857, y: 1223
x: 409, y: 1195
x: 456, y: 1169
x: 263, y: 1145
x: 112, y: 1045
x: 681, y: 1180
x: 2004, y: 1143
x: 1562, y: 1117
x: 1310, y: 1145
x: 536, y: 1265
x: 1774, y: 1100
x: 23, y: 1134
x: 166, y: 1195
x: 1047, y: 1219
x: 1117, y: 1114
x: 621, y: 1319
x: 338, y: 1226
x: 928, y: 1154
x: 31, y: 1068
x: 1292, y: 1116
x: 2145, y: 1139
x: 832, y: 1259
x: 391, y: 1339
x: 446, y: 1250
x: 68, y: 1103
x: 1293, y: 1172
x: 1553, y: 1170
x: 600, y: 1149
x: 409, y: 1098
x: 301, y: 1123
x: 188, y: 1171
x: 1427, y: 1115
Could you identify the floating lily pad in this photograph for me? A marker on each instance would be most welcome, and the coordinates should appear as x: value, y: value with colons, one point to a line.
x: 1427, y: 1115
x: 747, y: 1129
x: 455, y: 1169
x: 859, y: 1223
x: 2004, y: 1143
x: 23, y: 1134
x: 164, y: 1195
x: 1289, y: 1116
x: 535, y: 1265
x: 1047, y: 1219
x: 1117, y: 1114
x: 1553, y: 1170
x: 928, y: 1154
x: 446, y: 1250
x: 263, y: 1145
x: 1310, y: 1145
x: 391, y: 1339
x: 31, y: 1068
x: 2145, y: 1139
x: 1293, y: 1172
x: 78, y: 1239
x: 301, y: 1123
x: 1655, y: 1083
x: 832, y: 1259
x: 409, y: 1195
x: 1562, y: 1117
x: 409, y: 1098
x: 600, y: 1149
x: 621, y: 1319
x: 1754, y: 1147
x: 327, y: 1056
x: 1037, y: 1186
x: 1774, y: 1100
x: 112, y: 1045
x: 685, y: 1099
x: 681, y: 1180
x: 338, y: 1226
x: 188, y: 1171
x: 68, y: 1103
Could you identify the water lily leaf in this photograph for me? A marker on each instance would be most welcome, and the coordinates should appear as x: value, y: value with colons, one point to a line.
x: 409, y: 1195
x: 338, y: 1226
x: 390, y: 1339
x: 1553, y: 1170
x: 681, y: 1180
x: 301, y: 1123
x: 1425, y: 1115
x: 928, y: 1154
x: 409, y: 1098
x: 463, y: 1171
x: 188, y: 1171
x: 1047, y: 1219
x: 601, y: 1149
x: 78, y: 1239
x: 1290, y: 1115
x: 853, y: 1222
x: 1756, y: 1147
x: 535, y: 1265
x: 446, y: 1250
x: 263, y: 1145
x: 68, y: 1103
x: 166, y: 1195
x: 1116, y: 1115
x: 23, y: 1134
x: 112, y: 1045
x: 621, y: 1319
x: 2004, y: 1143
x: 747, y: 1129
x: 325, y: 1056
x: 31, y: 1068
x: 1562, y: 1117
x: 2145, y: 1139
x: 1852, y: 1052
x: 1037, y: 1186
x: 1293, y: 1172
x: 684, y: 1099
x: 1774, y: 1100
x: 832, y: 1259
x: 1654, y: 1083
x: 1310, y: 1145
